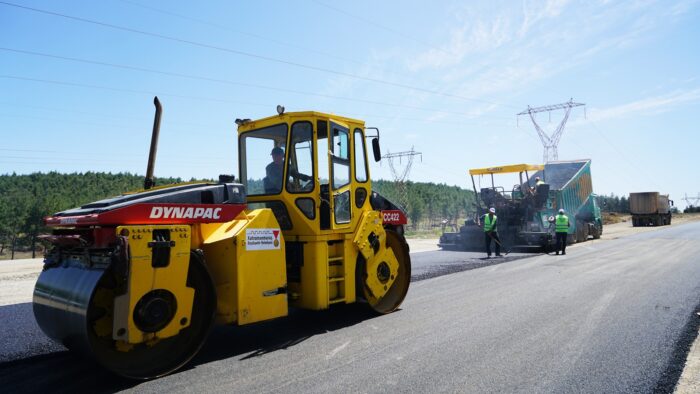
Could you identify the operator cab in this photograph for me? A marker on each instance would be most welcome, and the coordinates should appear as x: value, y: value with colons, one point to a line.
x: 309, y: 168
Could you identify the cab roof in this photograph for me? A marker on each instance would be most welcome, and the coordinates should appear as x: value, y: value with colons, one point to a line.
x: 290, y: 116
x: 506, y: 169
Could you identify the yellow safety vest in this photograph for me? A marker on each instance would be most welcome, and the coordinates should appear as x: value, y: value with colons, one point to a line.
x: 561, y: 224
x: 489, y: 224
x: 540, y: 182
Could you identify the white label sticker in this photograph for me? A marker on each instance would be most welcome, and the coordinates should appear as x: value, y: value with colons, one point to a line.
x: 262, y: 238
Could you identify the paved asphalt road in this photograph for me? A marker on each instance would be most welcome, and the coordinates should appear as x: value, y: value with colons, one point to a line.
x: 611, y: 316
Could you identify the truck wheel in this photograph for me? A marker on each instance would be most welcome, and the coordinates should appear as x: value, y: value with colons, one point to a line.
x: 579, y: 231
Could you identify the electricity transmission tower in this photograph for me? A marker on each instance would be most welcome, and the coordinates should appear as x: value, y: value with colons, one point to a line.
x: 692, y: 201
x: 401, y: 175
x: 550, y: 142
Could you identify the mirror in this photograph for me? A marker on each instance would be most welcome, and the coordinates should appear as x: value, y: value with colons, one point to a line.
x: 376, y: 150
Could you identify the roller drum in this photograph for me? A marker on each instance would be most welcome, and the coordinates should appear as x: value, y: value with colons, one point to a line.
x: 62, y: 296
x: 72, y: 305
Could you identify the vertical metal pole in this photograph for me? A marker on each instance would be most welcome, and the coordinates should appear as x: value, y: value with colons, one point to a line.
x: 476, y: 195
x: 149, y: 182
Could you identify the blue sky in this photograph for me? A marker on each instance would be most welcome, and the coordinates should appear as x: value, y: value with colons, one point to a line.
x: 444, y: 77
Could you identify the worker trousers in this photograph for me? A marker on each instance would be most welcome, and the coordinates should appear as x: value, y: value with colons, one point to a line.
x: 494, y: 236
x: 561, y: 242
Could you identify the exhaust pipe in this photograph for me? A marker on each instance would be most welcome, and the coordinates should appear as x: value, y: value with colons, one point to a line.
x: 149, y: 182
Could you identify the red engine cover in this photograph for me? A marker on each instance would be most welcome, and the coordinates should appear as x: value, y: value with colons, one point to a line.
x: 153, y: 213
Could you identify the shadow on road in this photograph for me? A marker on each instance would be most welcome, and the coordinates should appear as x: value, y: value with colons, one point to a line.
x: 64, y: 371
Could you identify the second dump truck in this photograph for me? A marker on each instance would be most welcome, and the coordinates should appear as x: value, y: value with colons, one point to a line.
x: 650, y: 209
x: 526, y: 211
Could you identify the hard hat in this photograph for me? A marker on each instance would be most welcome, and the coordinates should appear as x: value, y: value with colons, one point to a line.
x: 492, y: 210
x: 537, y: 178
x: 561, y: 210
x: 277, y: 151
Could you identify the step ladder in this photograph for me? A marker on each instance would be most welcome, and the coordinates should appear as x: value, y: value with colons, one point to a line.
x: 336, y: 273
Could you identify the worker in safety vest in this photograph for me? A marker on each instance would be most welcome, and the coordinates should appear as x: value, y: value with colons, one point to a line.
x: 538, y: 182
x: 561, y: 227
x: 491, y: 232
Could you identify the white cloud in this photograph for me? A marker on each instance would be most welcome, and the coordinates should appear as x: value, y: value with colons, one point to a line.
x: 653, y: 105
x: 682, y: 7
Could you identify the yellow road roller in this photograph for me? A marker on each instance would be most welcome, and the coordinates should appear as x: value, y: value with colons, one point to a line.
x: 137, y: 281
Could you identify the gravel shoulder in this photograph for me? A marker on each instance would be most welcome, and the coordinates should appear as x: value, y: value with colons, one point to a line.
x: 17, y: 278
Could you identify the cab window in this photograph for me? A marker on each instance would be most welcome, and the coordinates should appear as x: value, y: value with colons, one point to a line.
x: 340, y: 159
x: 360, y: 157
x: 300, y: 166
x: 261, y: 155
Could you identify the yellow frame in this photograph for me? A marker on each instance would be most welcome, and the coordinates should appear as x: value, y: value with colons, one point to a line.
x: 506, y: 169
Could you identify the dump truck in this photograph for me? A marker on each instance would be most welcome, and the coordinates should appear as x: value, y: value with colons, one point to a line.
x: 526, y: 211
x: 650, y: 209
x: 137, y: 281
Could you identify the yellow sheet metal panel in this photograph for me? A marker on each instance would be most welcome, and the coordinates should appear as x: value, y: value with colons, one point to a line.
x: 506, y: 169
x: 370, y: 223
x: 351, y: 254
x: 313, y: 290
x: 220, y: 255
x: 370, y: 240
x: 143, y: 278
x: 262, y: 271
x: 247, y: 261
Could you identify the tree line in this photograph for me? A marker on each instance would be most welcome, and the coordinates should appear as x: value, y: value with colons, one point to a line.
x: 613, y: 203
x: 26, y: 199
x: 428, y: 204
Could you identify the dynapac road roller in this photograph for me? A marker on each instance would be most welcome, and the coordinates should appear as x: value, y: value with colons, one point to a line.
x: 137, y: 281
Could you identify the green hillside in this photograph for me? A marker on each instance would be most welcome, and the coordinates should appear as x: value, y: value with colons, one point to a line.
x: 26, y: 199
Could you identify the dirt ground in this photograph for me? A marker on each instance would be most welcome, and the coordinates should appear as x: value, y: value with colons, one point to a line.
x: 18, y: 255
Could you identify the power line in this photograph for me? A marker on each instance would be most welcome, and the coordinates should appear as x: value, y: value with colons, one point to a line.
x: 121, y: 127
x: 224, y: 81
x: 103, y: 115
x: 133, y: 91
x: 247, y: 54
x: 633, y: 167
x: 166, y: 158
x: 151, y: 93
x: 369, y: 22
x: 253, y: 35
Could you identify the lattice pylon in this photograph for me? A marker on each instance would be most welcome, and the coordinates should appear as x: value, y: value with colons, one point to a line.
x: 551, y: 142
